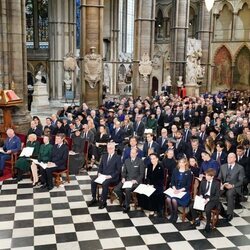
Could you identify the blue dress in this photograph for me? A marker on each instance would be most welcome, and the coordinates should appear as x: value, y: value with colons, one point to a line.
x: 186, y: 198
x: 182, y: 180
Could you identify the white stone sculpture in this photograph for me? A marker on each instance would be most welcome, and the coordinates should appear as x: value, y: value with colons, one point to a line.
x: 180, y: 82
x: 67, y: 80
x: 39, y: 77
x: 93, y: 68
x: 145, y: 66
x: 194, y: 71
x: 168, y: 81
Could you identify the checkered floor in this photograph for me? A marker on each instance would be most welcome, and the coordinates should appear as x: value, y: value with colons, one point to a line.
x: 31, y: 218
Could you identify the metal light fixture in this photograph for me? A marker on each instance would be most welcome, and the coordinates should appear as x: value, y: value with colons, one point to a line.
x: 209, y: 4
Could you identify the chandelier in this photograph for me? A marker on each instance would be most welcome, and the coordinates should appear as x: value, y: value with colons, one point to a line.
x: 209, y: 4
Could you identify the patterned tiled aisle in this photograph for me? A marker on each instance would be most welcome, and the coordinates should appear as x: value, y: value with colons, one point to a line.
x: 31, y: 218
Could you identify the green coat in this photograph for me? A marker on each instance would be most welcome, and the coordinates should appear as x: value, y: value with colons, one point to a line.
x: 45, y: 153
x: 24, y: 163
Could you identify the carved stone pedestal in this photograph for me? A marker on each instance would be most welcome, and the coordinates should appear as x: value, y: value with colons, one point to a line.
x: 192, y: 89
x: 40, y: 98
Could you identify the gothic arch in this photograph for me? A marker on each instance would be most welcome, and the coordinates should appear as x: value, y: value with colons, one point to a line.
x: 219, y: 48
x: 239, y: 5
x: 238, y: 51
x: 218, y: 6
x: 241, y: 73
x: 222, y: 72
x: 30, y: 68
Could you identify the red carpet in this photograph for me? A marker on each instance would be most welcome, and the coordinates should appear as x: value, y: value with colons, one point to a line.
x: 7, y: 174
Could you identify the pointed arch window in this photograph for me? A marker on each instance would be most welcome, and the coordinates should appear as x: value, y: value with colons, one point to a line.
x: 36, y: 24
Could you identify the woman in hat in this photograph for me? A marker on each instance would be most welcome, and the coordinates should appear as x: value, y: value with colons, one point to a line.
x: 76, y: 156
x: 155, y: 177
x: 23, y: 163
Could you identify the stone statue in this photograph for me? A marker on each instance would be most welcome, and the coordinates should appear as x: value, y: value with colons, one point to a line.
x: 145, y: 66
x: 168, y: 81
x: 93, y: 68
x: 67, y: 80
x: 180, y: 82
x: 38, y: 77
x: 106, y: 75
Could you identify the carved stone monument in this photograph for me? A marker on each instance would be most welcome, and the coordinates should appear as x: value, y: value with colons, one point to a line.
x: 145, y: 67
x: 40, y: 95
x: 194, y: 71
x: 93, y: 78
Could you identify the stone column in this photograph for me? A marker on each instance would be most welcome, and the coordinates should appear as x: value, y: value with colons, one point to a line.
x: 178, y: 37
x: 114, y: 43
x: 91, y: 36
x: 13, y: 56
x: 204, y: 24
x: 62, y: 26
x: 143, y: 43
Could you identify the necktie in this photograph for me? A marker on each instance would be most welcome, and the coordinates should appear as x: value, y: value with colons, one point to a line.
x: 229, y: 171
x: 208, y: 186
x: 162, y: 143
x: 218, y: 157
x: 109, y: 157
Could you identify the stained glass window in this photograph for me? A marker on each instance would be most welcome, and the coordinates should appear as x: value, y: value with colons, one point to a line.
x: 29, y: 24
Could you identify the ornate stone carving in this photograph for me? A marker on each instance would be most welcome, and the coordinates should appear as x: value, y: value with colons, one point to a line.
x: 145, y: 67
x: 107, y: 76
x: 69, y: 62
x: 194, y: 71
x: 93, y: 68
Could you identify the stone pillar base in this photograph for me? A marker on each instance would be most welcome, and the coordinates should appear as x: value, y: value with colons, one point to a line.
x: 192, y: 89
x: 40, y: 98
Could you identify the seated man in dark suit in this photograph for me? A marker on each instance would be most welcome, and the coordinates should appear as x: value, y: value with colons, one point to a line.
x: 110, y: 167
x: 231, y: 175
x: 12, y: 144
x: 220, y: 155
x: 117, y: 136
x: 244, y: 162
x: 139, y: 127
x: 133, y: 143
x: 59, y: 158
x: 150, y: 144
x: 210, y: 191
x: 133, y: 170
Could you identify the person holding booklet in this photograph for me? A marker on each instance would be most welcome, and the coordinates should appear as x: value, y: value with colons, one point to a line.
x: 132, y: 175
x: 180, y: 182
x: 155, y: 177
x: 59, y: 158
x: 108, y: 174
x: 44, y: 156
x: 31, y: 150
x: 12, y: 144
x: 209, y: 191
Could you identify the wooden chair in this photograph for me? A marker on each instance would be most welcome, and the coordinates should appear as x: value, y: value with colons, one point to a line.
x: 184, y: 209
x: 58, y: 174
x: 111, y: 195
x: 13, y: 157
x: 215, y: 217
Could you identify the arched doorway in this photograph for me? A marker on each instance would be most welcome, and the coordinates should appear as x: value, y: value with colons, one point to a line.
x: 155, y: 84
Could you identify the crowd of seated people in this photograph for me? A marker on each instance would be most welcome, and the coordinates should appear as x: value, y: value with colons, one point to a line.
x: 187, y: 135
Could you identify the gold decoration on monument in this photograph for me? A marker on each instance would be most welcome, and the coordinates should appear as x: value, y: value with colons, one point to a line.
x: 93, y: 68
x: 69, y: 62
x: 145, y: 66
x: 8, y: 100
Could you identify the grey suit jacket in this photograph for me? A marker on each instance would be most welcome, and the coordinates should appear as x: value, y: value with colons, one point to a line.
x: 237, y: 175
x: 133, y: 171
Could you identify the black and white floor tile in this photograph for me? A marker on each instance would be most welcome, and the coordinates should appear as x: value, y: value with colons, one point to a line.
x: 31, y: 218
